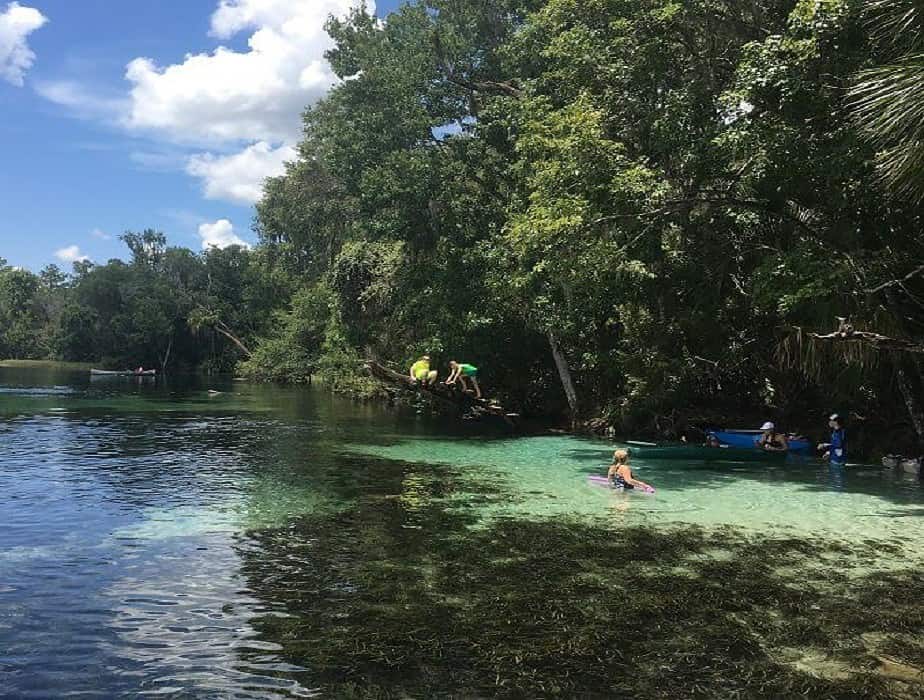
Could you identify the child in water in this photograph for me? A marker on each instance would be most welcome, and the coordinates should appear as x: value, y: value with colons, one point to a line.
x: 620, y: 473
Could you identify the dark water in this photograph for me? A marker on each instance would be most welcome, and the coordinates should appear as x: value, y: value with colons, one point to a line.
x: 156, y: 539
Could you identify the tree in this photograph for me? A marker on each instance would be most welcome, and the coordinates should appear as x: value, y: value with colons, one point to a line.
x: 22, y: 318
x: 886, y: 98
x: 147, y: 248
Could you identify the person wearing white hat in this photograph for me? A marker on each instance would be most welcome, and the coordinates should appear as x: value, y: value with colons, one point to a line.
x: 771, y: 440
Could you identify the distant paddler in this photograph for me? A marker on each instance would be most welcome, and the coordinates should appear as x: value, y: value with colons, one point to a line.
x: 462, y: 372
x: 421, y: 372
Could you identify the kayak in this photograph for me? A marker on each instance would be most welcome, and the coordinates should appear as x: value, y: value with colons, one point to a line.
x: 700, y: 453
x: 125, y: 373
x: 747, y: 438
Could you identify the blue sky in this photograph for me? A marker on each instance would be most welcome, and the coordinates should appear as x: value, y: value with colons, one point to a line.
x: 125, y: 114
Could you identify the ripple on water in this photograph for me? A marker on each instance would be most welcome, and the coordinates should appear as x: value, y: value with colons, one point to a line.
x: 172, y: 618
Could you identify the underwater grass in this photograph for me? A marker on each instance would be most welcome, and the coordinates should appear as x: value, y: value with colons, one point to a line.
x: 402, y: 597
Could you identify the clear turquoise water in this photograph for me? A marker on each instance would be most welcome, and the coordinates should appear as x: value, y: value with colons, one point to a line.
x: 805, y: 497
x: 159, y: 540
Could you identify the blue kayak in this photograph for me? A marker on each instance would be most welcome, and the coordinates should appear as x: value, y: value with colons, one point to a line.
x: 747, y: 438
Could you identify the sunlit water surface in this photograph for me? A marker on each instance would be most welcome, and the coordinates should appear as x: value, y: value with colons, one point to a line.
x: 134, y: 556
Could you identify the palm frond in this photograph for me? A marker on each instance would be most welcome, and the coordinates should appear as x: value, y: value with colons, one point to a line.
x: 888, y: 105
x: 815, y: 359
x: 897, y: 24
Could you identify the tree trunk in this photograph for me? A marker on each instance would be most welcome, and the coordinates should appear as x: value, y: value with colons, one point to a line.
x: 226, y: 332
x: 911, y: 403
x: 564, y: 373
x: 166, y: 357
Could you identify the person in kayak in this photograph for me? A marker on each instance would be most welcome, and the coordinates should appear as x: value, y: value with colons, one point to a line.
x: 421, y: 372
x: 620, y: 473
x: 771, y: 440
x: 835, y: 451
x: 461, y: 372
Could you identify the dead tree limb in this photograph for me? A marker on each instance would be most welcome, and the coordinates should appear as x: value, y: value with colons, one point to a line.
x: 846, y: 334
x: 449, y: 395
x: 896, y: 283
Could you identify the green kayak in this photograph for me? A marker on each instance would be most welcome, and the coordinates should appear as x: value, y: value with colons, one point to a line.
x: 701, y: 453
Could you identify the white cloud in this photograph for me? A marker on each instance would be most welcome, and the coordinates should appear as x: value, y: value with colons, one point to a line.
x: 244, y: 106
x: 239, y: 178
x: 70, y: 254
x: 102, y: 235
x: 228, y: 95
x: 82, y: 101
x: 219, y: 234
x: 16, y: 24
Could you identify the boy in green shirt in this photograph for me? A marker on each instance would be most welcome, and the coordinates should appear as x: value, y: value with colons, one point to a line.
x: 462, y: 372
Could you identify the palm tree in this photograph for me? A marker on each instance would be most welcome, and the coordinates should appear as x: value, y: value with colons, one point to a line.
x: 888, y: 101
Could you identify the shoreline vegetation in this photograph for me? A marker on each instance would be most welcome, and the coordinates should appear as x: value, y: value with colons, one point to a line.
x: 57, y: 365
x: 647, y: 216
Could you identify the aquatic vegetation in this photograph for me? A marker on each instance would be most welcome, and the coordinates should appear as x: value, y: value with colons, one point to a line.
x: 545, y: 608
x: 279, y: 542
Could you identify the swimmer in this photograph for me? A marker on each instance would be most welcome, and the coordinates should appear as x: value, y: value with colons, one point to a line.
x: 620, y: 473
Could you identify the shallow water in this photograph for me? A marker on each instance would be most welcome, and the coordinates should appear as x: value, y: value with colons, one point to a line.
x: 801, y: 498
x: 263, y: 541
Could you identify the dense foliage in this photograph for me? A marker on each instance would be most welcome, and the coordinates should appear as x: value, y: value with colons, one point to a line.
x: 651, y: 210
x: 167, y: 308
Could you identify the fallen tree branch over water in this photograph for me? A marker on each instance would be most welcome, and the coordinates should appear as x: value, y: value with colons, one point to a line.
x: 467, y: 404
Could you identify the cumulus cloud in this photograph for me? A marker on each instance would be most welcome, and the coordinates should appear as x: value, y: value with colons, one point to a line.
x: 219, y: 234
x: 16, y: 24
x: 102, y: 235
x: 242, y: 105
x: 252, y: 95
x: 70, y: 254
x: 239, y: 178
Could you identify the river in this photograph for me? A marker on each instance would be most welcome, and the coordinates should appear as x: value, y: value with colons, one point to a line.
x: 158, y: 538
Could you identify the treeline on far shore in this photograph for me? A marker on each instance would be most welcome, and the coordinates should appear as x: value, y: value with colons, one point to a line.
x: 662, y: 214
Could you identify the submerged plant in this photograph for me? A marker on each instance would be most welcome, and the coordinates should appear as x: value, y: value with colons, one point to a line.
x: 401, y: 597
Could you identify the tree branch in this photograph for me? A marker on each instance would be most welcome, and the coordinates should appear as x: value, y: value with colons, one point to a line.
x: 896, y: 283
x: 479, y: 408
x: 472, y: 85
x: 677, y: 204
x: 225, y: 331
x: 846, y: 333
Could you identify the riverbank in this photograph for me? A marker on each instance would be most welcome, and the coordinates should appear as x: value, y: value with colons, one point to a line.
x: 46, y: 364
x: 870, y: 441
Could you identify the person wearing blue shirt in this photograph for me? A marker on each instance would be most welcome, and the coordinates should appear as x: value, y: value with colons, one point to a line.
x: 836, y: 450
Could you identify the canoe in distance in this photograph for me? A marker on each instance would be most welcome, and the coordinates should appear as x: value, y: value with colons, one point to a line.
x: 699, y: 453
x: 746, y: 438
x: 122, y: 373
